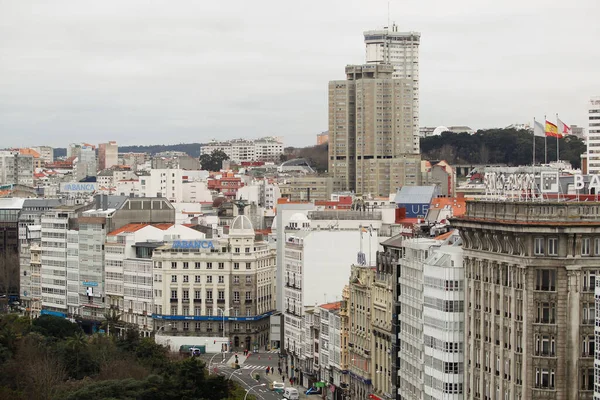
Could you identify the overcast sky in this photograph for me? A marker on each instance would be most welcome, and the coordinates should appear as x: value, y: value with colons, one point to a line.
x: 163, y: 72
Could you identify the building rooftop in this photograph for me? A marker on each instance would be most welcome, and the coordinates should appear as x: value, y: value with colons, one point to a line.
x: 332, y: 306
x: 129, y: 228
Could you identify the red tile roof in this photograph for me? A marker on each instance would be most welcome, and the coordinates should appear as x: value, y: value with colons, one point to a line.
x: 128, y: 229
x: 332, y: 306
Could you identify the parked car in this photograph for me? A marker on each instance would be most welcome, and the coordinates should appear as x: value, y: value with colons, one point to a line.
x: 313, y: 390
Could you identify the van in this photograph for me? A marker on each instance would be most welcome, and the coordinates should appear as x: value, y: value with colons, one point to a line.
x: 291, y: 393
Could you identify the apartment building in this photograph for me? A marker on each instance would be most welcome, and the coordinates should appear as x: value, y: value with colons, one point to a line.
x: 85, y: 163
x: 261, y: 192
x: 372, y: 146
x: 46, y: 154
x: 221, y: 288
x: 108, y: 155
x: 530, y: 275
x: 330, y: 347
x: 129, y: 269
x: 360, y: 339
x: 432, y: 318
x: 316, y: 264
x: 400, y: 49
x: 16, y: 168
x: 59, y: 257
x: 593, y: 136
x: 268, y: 149
x: 30, y: 224
x: 310, y: 188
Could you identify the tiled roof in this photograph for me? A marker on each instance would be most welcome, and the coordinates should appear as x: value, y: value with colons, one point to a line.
x: 128, y: 229
x: 332, y: 306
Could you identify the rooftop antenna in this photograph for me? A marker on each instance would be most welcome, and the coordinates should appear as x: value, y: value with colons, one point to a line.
x: 388, y: 24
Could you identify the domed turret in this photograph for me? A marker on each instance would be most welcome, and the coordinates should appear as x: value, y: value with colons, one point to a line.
x: 241, y: 226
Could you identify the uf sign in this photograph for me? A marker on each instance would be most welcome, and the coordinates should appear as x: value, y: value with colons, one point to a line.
x: 193, y: 244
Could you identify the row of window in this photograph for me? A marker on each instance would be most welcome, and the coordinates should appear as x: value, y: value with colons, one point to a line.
x: 198, y: 279
x: 209, y: 295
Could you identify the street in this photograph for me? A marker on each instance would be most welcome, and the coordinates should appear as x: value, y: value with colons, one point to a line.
x: 250, y: 366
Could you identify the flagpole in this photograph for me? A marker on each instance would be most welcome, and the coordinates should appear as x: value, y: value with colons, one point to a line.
x: 533, y: 142
x: 545, y: 143
x: 557, y: 135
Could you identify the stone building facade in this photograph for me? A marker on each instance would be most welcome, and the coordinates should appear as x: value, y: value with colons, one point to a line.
x: 530, y: 272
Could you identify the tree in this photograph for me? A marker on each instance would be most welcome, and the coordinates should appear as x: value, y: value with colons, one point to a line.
x: 56, y: 327
x: 112, y: 319
x: 214, y: 161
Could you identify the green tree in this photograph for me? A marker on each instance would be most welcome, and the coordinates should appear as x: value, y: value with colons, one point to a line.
x: 112, y: 319
x: 56, y: 327
x: 214, y: 161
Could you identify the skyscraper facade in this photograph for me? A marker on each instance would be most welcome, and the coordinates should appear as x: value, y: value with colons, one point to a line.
x: 400, y: 49
x: 371, y: 142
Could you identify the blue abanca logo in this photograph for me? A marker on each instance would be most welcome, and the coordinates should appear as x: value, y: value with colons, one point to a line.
x: 193, y: 244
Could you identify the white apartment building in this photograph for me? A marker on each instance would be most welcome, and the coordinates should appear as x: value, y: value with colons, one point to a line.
x: 222, y: 288
x: 16, y: 168
x: 316, y: 267
x: 85, y: 164
x: 30, y: 238
x: 330, y: 347
x: 593, y: 135
x: 431, y: 287
x: 260, y: 192
x: 268, y: 149
x: 400, y: 49
x: 57, y: 232
x: 177, y: 185
x: 128, y: 271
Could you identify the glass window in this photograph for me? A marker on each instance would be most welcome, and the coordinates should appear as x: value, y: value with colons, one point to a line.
x: 553, y: 246
x: 538, y: 246
x: 585, y: 246
x: 545, y: 280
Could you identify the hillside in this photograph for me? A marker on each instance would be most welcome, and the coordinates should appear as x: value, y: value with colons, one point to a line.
x: 505, y: 146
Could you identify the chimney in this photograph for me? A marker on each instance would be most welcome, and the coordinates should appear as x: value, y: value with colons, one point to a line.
x: 104, y: 202
x: 98, y: 201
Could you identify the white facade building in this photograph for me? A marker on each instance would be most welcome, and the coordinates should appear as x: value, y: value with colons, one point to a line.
x: 593, y: 136
x: 432, y: 318
x: 177, y: 185
x: 200, y: 285
x: 128, y: 273
x: 268, y: 149
x: 263, y: 193
x: 330, y: 345
x: 85, y: 163
x: 316, y: 267
x: 55, y: 228
x: 400, y: 49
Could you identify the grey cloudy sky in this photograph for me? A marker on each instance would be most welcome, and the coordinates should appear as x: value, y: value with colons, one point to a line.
x: 161, y: 72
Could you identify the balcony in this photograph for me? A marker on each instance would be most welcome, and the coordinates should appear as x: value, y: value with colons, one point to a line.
x: 185, y: 301
x: 173, y: 300
x: 248, y: 301
x: 198, y: 301
x: 221, y: 301
x: 209, y: 301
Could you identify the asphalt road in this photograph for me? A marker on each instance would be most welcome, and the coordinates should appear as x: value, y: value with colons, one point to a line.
x: 254, y: 364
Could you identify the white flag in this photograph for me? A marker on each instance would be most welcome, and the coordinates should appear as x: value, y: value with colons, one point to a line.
x: 563, y: 128
x: 538, y: 129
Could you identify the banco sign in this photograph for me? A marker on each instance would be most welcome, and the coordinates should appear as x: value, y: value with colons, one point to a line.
x: 193, y: 244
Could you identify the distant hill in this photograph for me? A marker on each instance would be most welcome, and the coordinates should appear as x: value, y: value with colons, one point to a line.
x: 192, y: 149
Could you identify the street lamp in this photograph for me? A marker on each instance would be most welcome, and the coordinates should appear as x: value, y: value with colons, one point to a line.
x: 162, y: 327
x: 255, y: 386
x: 223, y: 311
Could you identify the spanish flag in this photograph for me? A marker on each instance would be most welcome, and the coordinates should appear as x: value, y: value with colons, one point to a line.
x: 552, y: 130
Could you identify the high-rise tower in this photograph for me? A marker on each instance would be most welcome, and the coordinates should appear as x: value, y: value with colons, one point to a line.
x: 400, y: 49
x: 371, y: 141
